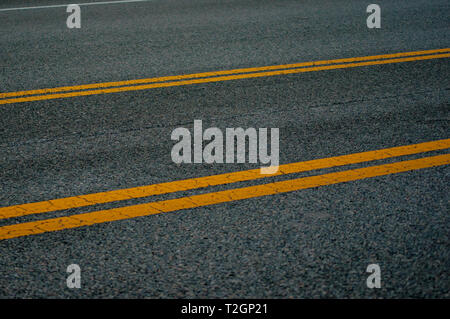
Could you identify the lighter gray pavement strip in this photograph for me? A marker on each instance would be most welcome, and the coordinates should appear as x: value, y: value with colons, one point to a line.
x: 80, y: 4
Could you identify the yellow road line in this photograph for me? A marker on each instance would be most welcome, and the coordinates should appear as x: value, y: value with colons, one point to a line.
x: 102, y: 216
x: 222, y: 179
x: 216, y: 73
x: 194, y: 80
x: 200, y: 182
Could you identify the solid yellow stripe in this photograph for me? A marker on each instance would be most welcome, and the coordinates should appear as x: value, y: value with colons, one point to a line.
x: 216, y: 73
x: 86, y: 219
x: 222, y: 179
x: 217, y: 79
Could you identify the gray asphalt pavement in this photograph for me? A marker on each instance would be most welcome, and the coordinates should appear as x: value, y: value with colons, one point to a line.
x: 312, y: 243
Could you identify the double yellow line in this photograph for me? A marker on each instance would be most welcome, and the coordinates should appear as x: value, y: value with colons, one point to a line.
x: 217, y: 76
x: 151, y: 208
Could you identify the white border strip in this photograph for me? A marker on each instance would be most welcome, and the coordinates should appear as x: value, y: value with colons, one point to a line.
x: 80, y: 4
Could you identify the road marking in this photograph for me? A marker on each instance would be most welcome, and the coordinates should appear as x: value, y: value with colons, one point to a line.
x: 217, y: 73
x: 218, y: 76
x: 65, y: 5
x: 109, y: 215
x: 222, y: 179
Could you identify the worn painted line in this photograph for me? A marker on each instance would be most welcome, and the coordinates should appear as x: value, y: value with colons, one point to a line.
x: 109, y: 215
x: 65, y: 5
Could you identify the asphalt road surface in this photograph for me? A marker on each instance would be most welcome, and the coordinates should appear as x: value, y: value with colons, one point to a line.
x: 304, y: 242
